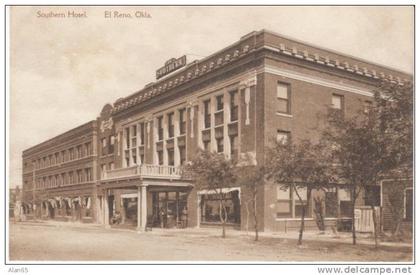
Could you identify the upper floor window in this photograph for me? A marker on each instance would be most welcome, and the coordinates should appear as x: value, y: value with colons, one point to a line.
x: 219, y: 142
x: 337, y: 102
x: 283, y: 137
x: 142, y: 133
x: 71, y: 153
x: 182, y: 155
x: 207, y: 115
x: 127, y: 137
x: 111, y: 144
x: 182, y: 121
x: 171, y: 125
x: 219, y: 102
x: 88, y: 148
x: 234, y: 147
x: 79, y: 151
x: 103, y: 142
x: 133, y: 136
x: 171, y: 157
x: 160, y: 127
x: 234, y: 102
x: 283, y: 98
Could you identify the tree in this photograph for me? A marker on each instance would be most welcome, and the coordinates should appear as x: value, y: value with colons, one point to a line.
x: 251, y: 177
x: 212, y: 171
x: 298, y: 166
x: 367, y: 146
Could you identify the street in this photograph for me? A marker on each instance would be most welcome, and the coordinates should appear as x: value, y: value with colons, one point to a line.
x: 75, y: 242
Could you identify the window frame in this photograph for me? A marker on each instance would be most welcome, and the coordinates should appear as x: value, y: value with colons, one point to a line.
x: 287, y: 100
x: 341, y: 97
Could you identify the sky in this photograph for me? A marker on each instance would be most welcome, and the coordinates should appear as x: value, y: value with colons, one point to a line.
x: 64, y: 70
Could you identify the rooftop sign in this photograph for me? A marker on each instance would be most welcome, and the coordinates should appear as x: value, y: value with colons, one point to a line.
x: 171, y: 65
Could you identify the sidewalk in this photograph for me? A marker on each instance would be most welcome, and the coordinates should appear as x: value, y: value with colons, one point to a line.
x: 341, y: 237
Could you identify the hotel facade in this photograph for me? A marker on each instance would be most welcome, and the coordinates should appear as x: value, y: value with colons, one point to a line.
x: 265, y: 87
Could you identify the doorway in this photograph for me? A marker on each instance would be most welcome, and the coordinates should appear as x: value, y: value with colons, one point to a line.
x: 169, y: 209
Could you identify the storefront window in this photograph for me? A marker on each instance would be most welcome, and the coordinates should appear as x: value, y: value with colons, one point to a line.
x: 211, y: 208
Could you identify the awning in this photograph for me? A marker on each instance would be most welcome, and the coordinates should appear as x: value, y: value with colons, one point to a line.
x: 223, y: 190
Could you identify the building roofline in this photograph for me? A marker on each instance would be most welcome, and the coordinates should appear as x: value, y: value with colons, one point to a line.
x: 334, y: 51
x: 150, y: 90
x: 75, y: 129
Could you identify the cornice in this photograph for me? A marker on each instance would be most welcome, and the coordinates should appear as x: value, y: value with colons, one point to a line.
x: 247, y: 46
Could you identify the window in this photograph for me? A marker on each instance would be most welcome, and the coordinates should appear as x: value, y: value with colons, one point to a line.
x: 57, y: 157
x: 63, y: 179
x: 283, y: 202
x: 71, y: 153
x: 210, y: 208
x: 111, y: 166
x: 283, y: 98
x: 234, y: 147
x: 219, y: 103
x: 283, y: 137
x: 337, y: 102
x: 219, y: 145
x: 111, y: 144
x: 127, y: 158
x: 171, y: 125
x: 344, y: 197
x: 287, y: 199
x: 103, y: 170
x: 88, y: 173
x: 79, y: 176
x: 79, y: 151
x: 71, y: 177
x: 171, y: 161
x: 160, y: 127
x: 182, y: 154
x: 127, y: 137
x: 206, y: 145
x: 299, y: 206
x: 88, y: 148
x: 234, y: 106
x: 141, y: 158
x: 103, y: 143
x: 207, y: 115
x: 142, y: 133
x: 134, y: 155
x: 160, y: 157
x: 182, y: 121
x: 408, y: 205
x: 133, y: 136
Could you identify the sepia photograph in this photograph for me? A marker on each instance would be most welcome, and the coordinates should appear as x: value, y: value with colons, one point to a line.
x: 210, y: 134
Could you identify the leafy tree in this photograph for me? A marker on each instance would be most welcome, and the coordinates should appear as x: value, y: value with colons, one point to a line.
x: 298, y: 166
x: 212, y: 171
x: 367, y: 146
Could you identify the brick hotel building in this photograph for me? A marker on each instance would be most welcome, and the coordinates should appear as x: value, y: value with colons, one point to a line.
x: 235, y: 102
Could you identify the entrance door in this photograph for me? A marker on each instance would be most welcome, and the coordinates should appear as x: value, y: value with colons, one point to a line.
x: 169, y: 209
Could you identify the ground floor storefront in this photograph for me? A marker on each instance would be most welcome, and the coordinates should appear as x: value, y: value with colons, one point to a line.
x: 143, y: 204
